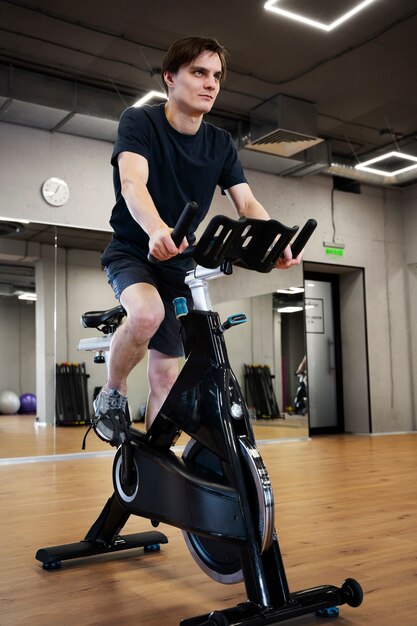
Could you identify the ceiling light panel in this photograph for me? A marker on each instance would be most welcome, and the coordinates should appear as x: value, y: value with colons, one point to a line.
x: 290, y: 309
x: 27, y: 295
x: 151, y: 95
x: 314, y: 20
x: 390, y: 164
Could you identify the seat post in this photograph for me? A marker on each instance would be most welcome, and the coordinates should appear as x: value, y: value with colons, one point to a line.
x: 197, y: 280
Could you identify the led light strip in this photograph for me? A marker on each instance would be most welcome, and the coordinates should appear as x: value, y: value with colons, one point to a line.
x: 271, y: 6
x: 149, y: 96
x: 400, y: 155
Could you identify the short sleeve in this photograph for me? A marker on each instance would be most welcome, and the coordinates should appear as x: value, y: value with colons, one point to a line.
x: 232, y: 173
x: 132, y: 134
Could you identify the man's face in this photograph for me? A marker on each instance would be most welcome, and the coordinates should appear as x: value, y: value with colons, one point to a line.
x: 194, y: 87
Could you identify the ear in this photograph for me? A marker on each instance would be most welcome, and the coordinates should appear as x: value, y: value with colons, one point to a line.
x: 169, y: 79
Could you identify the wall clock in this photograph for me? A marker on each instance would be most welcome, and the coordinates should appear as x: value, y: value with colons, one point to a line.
x: 55, y: 191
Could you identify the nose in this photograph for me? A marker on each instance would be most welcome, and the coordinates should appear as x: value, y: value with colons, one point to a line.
x: 210, y: 82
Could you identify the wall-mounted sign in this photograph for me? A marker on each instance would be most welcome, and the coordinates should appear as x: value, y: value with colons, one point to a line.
x: 314, y: 315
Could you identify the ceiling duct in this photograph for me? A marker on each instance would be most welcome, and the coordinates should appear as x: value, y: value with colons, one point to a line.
x: 58, y: 105
x: 283, y: 126
x: 311, y: 161
x: 16, y: 279
x: 283, y: 139
x: 6, y: 289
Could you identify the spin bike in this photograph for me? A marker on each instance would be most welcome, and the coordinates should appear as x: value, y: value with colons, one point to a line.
x: 219, y: 492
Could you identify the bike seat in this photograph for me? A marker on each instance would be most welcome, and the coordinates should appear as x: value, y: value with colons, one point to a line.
x: 105, y: 321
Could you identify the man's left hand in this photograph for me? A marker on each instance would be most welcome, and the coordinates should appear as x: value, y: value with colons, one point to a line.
x: 286, y: 260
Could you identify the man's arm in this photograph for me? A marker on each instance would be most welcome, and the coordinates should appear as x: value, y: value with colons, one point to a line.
x: 134, y: 173
x: 246, y: 205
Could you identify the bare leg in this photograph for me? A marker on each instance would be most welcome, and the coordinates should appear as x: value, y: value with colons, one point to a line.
x: 162, y: 374
x: 145, y: 312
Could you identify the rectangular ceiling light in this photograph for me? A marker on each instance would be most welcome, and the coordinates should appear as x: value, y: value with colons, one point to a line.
x: 290, y: 309
x: 27, y: 295
x: 271, y: 5
x: 291, y: 290
x: 394, y: 163
x: 151, y: 95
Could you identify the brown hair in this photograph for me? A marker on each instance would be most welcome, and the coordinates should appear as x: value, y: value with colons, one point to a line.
x: 185, y: 50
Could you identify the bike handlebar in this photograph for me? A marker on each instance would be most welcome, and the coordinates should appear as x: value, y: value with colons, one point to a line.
x: 181, y: 227
x: 303, y: 236
x: 251, y: 243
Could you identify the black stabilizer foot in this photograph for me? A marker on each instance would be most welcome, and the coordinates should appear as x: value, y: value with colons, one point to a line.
x: 352, y: 591
x: 320, y: 600
x: 50, y: 557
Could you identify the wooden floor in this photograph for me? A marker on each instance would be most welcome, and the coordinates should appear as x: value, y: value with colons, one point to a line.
x: 345, y: 507
x: 22, y: 435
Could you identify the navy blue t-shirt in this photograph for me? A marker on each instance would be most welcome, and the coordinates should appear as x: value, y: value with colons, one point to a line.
x: 182, y: 168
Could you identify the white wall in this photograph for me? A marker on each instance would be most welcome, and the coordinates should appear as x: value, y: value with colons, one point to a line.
x: 354, y: 357
x: 30, y: 156
x: 378, y: 228
x: 410, y: 366
x: 410, y: 225
x: 410, y: 237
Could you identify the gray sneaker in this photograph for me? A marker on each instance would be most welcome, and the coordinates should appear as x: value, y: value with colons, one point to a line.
x: 111, y: 421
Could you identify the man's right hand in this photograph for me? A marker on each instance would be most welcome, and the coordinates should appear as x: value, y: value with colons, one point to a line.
x: 161, y: 245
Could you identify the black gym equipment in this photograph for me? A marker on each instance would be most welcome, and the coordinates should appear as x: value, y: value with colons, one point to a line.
x: 219, y: 493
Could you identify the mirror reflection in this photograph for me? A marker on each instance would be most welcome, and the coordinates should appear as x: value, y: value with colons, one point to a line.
x: 41, y: 338
x: 17, y: 356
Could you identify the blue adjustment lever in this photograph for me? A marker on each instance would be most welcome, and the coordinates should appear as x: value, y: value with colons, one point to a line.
x: 232, y: 320
x: 180, y: 306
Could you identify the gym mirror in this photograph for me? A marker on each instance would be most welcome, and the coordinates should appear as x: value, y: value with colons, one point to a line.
x: 61, y: 265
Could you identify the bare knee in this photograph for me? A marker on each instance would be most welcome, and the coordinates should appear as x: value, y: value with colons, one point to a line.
x: 143, y: 324
x: 145, y: 311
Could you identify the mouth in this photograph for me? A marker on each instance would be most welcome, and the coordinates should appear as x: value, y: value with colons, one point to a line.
x: 206, y: 96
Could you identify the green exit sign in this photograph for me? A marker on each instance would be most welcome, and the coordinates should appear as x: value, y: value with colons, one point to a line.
x: 330, y: 251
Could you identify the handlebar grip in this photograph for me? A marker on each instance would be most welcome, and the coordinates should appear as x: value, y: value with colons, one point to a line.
x: 184, y: 222
x: 181, y: 227
x: 303, y: 236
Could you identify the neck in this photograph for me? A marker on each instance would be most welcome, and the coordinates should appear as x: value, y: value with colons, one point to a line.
x: 185, y: 123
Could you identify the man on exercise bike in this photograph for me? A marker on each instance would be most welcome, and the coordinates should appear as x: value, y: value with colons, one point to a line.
x: 164, y: 157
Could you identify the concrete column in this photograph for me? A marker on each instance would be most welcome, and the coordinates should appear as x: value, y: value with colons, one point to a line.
x: 45, y: 335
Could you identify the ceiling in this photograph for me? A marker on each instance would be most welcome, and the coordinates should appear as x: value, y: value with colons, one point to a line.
x: 72, y: 67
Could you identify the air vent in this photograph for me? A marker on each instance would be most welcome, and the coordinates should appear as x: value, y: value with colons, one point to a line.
x: 282, y: 136
x: 305, y: 163
x: 283, y: 126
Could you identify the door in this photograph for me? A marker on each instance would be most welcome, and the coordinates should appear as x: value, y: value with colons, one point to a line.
x: 323, y: 353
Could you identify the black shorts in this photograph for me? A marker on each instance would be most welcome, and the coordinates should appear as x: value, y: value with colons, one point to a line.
x: 126, y: 270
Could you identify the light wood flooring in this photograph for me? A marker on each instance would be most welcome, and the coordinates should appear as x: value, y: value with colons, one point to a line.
x: 23, y: 436
x: 345, y: 507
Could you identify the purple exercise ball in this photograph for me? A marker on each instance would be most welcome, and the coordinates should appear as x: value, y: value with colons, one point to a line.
x: 28, y: 403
